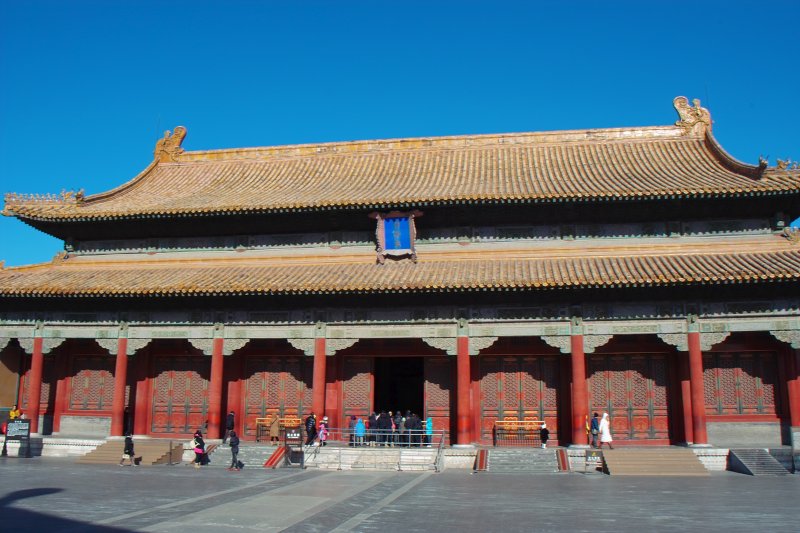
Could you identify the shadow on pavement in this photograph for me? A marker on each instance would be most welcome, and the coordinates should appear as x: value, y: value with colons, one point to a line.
x: 16, y: 519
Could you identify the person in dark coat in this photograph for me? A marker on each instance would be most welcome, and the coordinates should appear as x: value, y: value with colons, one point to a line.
x: 351, y: 427
x: 384, y: 428
x: 311, y: 429
x: 544, y: 434
x: 372, y: 429
x: 127, y: 451
x: 199, y: 448
x: 230, y: 423
x: 594, y: 428
x: 234, y: 451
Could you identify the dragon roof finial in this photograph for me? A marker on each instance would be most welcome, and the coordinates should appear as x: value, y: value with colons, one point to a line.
x: 695, y: 120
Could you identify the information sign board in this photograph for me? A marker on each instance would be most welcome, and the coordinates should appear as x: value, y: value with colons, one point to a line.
x: 18, y: 429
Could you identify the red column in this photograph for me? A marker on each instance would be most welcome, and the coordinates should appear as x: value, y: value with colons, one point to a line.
x: 35, y: 384
x: 698, y: 393
x: 463, y: 434
x: 215, y: 390
x: 686, y: 397
x: 580, y: 397
x: 318, y: 383
x: 63, y: 368
x: 120, y: 379
x: 793, y: 388
x: 140, y: 417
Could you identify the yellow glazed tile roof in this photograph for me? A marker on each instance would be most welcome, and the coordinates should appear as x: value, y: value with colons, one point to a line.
x: 766, y: 259
x: 606, y: 164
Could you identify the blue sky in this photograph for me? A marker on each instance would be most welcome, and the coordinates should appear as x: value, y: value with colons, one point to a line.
x: 86, y: 88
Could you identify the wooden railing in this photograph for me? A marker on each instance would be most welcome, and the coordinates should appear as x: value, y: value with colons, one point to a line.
x: 263, y: 424
x: 516, y: 432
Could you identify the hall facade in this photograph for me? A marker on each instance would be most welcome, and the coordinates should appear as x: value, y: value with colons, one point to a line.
x: 643, y: 272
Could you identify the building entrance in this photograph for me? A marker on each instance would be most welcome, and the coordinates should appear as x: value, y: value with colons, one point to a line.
x: 399, y: 384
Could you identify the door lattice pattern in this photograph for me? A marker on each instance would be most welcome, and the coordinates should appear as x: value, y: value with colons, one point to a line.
x: 276, y: 385
x: 632, y: 389
x: 518, y: 387
x: 180, y: 394
x: 356, y: 388
x: 438, y: 391
x: 739, y: 383
x: 92, y: 383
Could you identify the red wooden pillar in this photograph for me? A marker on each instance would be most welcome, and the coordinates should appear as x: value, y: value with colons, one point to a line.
x: 63, y: 370
x: 215, y: 389
x: 793, y: 388
x: 35, y: 384
x: 686, y: 397
x: 233, y: 373
x: 463, y: 434
x: 700, y: 436
x: 120, y: 379
x: 580, y: 396
x: 318, y: 380
x: 140, y: 417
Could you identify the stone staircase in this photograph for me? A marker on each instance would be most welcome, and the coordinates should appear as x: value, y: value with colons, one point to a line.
x: 755, y: 462
x: 150, y: 451
x: 253, y: 455
x: 522, y: 461
x: 346, y: 458
x: 653, y: 462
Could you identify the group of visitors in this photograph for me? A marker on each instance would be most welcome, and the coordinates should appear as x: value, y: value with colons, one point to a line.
x: 600, y: 430
x: 317, y: 433
x: 390, y: 429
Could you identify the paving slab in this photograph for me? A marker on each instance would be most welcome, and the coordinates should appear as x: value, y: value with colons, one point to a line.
x: 56, y: 495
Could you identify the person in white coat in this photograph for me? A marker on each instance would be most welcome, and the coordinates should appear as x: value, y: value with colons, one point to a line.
x: 605, y: 432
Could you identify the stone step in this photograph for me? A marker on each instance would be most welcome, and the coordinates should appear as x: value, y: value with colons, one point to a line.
x: 755, y: 462
x: 150, y: 452
x: 653, y: 462
x: 531, y: 461
x: 346, y: 458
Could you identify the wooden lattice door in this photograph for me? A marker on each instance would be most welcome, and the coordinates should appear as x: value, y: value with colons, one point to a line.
x: 439, y: 391
x: 276, y: 385
x: 180, y: 394
x: 740, y: 383
x: 357, y: 380
x: 632, y: 389
x: 518, y: 387
x: 92, y: 383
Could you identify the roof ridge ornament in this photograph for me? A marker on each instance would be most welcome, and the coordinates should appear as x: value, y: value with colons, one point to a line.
x: 169, y: 147
x: 695, y: 120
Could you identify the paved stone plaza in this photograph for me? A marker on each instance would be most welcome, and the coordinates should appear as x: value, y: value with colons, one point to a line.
x: 55, y: 495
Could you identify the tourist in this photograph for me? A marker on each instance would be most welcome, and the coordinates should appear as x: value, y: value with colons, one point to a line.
x: 323, y: 431
x: 360, y: 431
x: 384, y: 428
x: 605, y: 432
x: 230, y: 423
x: 14, y: 413
x: 372, y: 428
x: 351, y: 428
x: 127, y: 451
x: 428, y: 431
x: 274, y: 430
x: 199, y: 446
x: 234, y: 451
x: 595, y: 429
x: 311, y: 429
x: 399, y: 427
x: 544, y: 434
x: 414, y: 427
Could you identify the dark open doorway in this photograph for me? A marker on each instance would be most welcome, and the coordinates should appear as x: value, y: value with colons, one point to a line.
x: 399, y: 384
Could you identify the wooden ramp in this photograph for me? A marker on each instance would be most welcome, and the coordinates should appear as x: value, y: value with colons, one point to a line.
x: 653, y: 462
x: 150, y: 451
